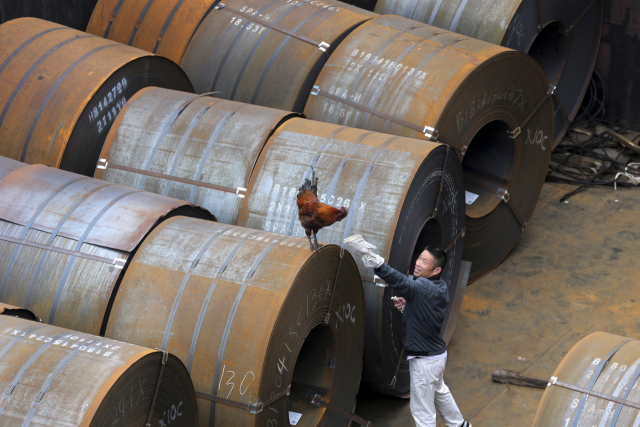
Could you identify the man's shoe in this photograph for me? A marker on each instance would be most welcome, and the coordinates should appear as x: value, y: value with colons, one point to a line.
x: 465, y: 424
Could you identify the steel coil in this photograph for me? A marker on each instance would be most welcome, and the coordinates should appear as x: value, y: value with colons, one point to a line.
x: 245, y: 311
x: 65, y: 241
x: 62, y: 89
x: 187, y: 143
x: 561, y: 35
x: 58, y: 377
x: 271, y: 59
x: 398, y: 198
x: 164, y: 27
x: 395, y: 76
x: 603, y: 363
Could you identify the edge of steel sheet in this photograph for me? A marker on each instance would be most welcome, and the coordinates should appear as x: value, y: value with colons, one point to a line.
x: 62, y: 89
x: 66, y: 240
x: 56, y: 376
x: 398, y: 201
x: 491, y: 104
x: 245, y: 310
x: 562, y: 36
x: 198, y: 148
x: 601, y: 362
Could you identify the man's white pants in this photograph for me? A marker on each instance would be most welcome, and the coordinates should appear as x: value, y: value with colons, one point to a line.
x: 429, y: 392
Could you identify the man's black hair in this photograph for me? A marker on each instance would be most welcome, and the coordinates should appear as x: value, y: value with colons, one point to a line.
x: 439, y: 256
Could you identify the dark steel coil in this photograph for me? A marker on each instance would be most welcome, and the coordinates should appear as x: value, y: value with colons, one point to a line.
x: 398, y: 76
x: 198, y: 139
x: 245, y: 310
x: 249, y: 62
x: 164, y: 27
x: 62, y: 89
x: 561, y: 35
x: 59, y: 377
x: 601, y: 362
x: 65, y: 241
x: 391, y: 185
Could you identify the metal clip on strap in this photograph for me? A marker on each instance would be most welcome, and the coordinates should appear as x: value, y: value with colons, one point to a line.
x: 517, y: 131
x: 241, y: 192
x: 335, y: 283
x: 503, y: 194
x: 316, y: 399
x: 102, y: 164
x: 165, y: 357
x: 431, y: 133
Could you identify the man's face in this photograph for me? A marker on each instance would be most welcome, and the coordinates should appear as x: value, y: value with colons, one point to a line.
x: 424, y: 266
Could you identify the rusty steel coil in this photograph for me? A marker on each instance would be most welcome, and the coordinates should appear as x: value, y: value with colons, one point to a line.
x: 62, y: 89
x: 563, y: 36
x: 491, y: 104
x: 164, y: 27
x: 398, y: 200
x: 65, y: 241
x: 266, y: 52
x: 601, y: 363
x: 246, y: 311
x: 12, y: 310
x: 194, y: 148
x: 59, y: 377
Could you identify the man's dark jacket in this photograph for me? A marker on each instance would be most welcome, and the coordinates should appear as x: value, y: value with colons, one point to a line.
x: 427, y: 302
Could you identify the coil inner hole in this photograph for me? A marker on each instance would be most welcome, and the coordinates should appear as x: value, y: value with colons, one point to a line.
x: 488, y: 165
x: 313, y: 371
x: 549, y: 49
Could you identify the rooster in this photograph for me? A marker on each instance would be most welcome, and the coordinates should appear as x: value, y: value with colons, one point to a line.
x: 315, y: 215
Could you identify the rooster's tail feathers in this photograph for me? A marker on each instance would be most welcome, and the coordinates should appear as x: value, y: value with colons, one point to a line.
x: 310, y: 184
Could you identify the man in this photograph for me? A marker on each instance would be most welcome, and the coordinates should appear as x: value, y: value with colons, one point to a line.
x: 423, y: 300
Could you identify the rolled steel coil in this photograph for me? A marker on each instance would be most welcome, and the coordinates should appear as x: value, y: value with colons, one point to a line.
x: 62, y: 89
x: 194, y: 148
x: 65, y: 241
x: 11, y: 310
x: 58, y: 377
x: 266, y: 52
x: 163, y: 27
x: 399, y: 199
x: 245, y: 311
x: 563, y: 36
x: 489, y: 103
x: 600, y: 363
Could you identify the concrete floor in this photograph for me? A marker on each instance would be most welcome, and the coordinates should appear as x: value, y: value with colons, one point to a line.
x: 575, y: 271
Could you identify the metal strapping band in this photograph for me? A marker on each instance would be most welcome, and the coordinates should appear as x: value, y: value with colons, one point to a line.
x: 584, y: 12
x: 428, y: 131
x: 139, y: 21
x: 395, y: 376
x: 240, y: 191
x: 323, y: 46
x: 113, y: 18
x: 554, y: 381
x: 166, y: 25
x: 47, y: 384
x: 632, y: 381
x: 117, y: 262
x: 594, y: 378
x: 24, y: 368
x: 561, y: 106
x: 316, y: 399
x: 17, y: 338
x: 253, y: 408
x: 335, y: 283
x: 455, y: 240
x: 446, y: 157
x: 518, y: 130
x: 165, y: 357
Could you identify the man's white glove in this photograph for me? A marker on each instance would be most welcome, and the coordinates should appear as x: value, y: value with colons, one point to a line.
x: 372, y: 260
x: 360, y: 246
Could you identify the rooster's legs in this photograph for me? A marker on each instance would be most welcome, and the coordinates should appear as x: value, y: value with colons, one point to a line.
x: 315, y: 238
x: 310, y: 242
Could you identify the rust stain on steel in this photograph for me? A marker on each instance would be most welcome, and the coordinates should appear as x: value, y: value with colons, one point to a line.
x: 536, y: 27
x: 390, y: 184
x: 55, y: 376
x: 602, y: 362
x: 79, y: 218
x: 211, y: 140
x: 473, y: 93
x: 247, y: 61
x: 235, y: 305
x: 62, y: 89
x: 163, y: 27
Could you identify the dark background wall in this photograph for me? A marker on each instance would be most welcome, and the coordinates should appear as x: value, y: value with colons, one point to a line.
x: 619, y: 60
x: 72, y: 13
